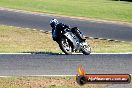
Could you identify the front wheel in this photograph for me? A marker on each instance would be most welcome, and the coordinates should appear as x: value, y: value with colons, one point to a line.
x: 86, y: 49
x: 65, y: 46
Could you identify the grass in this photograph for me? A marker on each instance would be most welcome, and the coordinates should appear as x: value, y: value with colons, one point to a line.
x: 44, y: 82
x: 99, y: 9
x: 104, y: 46
x: 21, y: 40
x: 13, y: 39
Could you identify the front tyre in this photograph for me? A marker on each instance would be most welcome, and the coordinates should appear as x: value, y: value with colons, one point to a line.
x: 65, y: 46
x: 86, y: 49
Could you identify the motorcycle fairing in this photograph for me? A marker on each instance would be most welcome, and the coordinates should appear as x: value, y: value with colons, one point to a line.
x: 74, y: 39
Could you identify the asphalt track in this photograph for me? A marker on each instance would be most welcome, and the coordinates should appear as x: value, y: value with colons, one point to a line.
x: 90, y: 28
x: 47, y: 64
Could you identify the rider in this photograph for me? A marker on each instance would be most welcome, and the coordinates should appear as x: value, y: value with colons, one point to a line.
x: 57, y: 27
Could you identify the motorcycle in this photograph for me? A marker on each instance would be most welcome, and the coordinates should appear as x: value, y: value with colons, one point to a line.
x: 70, y: 42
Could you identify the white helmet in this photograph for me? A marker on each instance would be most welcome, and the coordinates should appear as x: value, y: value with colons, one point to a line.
x: 54, y: 22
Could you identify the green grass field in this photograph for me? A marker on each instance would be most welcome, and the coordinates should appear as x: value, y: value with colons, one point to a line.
x: 98, y: 9
x: 13, y: 39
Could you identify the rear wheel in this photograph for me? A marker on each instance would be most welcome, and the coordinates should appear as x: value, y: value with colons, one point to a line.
x: 65, y: 46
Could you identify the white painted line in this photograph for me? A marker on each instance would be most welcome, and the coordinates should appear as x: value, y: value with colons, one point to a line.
x: 101, y: 38
x: 18, y: 27
x: 10, y: 26
x: 27, y: 28
x: 91, y: 37
x: 43, y: 76
x: 99, y: 53
x: 34, y: 29
x: 4, y: 76
x: 42, y: 31
x: 2, y: 25
x: 72, y: 53
x: 109, y: 39
x: 122, y: 41
x: 40, y: 76
x: 116, y: 40
x: 14, y: 53
x: 112, y: 53
x: 53, y: 75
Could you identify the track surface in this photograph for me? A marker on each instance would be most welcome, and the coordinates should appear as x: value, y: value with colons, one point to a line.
x: 92, y: 29
x: 44, y: 64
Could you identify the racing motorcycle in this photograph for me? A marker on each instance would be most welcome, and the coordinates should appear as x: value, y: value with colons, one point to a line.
x: 70, y: 42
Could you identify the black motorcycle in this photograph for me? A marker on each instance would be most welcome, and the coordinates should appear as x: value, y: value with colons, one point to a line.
x: 70, y: 42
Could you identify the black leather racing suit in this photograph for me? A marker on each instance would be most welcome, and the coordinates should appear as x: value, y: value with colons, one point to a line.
x: 56, y: 31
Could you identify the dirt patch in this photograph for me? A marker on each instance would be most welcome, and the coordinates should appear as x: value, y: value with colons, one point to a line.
x: 45, y: 82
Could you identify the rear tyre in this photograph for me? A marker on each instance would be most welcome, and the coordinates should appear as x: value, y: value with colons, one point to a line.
x: 65, y: 46
x: 86, y: 49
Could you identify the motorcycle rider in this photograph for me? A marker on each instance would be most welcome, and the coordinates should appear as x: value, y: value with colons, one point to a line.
x: 57, y: 27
